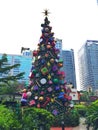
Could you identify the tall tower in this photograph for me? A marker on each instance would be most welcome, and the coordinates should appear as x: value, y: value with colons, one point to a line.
x: 23, y: 60
x: 69, y: 66
x: 68, y: 63
x: 88, y: 65
x: 59, y: 46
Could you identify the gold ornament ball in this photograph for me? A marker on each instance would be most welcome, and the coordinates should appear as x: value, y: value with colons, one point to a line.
x: 41, y: 98
x: 52, y: 60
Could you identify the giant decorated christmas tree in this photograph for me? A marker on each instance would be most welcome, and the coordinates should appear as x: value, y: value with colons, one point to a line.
x: 47, y: 81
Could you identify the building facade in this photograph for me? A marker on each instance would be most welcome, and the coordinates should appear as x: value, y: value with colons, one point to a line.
x: 68, y: 63
x: 59, y: 46
x: 88, y: 65
x: 25, y: 64
x: 69, y: 66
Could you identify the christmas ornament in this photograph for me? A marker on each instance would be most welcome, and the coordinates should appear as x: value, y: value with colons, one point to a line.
x: 42, y: 47
x: 49, y: 76
x: 32, y: 102
x: 37, y: 75
x: 49, y: 89
x: 46, y: 55
x: 43, y: 81
x: 23, y: 102
x: 37, y: 83
x: 34, y: 71
x: 38, y: 105
x: 29, y: 94
x: 46, y: 34
x: 35, y: 53
x: 57, y: 51
x: 42, y: 61
x: 46, y: 29
x: 42, y: 93
x: 55, y: 112
x: 55, y: 81
x: 48, y: 46
x: 60, y: 65
x: 41, y: 98
x: 52, y: 60
x: 44, y: 70
x: 50, y: 82
x: 31, y: 75
x: 36, y: 97
x: 52, y: 100
x: 35, y: 88
x: 57, y: 88
x: 54, y: 68
x: 48, y: 64
x: 46, y: 102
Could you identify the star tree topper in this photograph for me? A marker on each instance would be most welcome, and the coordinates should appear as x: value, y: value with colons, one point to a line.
x: 46, y: 12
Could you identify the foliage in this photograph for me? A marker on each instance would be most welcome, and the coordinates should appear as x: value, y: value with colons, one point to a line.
x: 84, y: 96
x: 18, y: 118
x: 81, y: 109
x: 5, y: 69
x: 71, y: 118
x: 32, y: 118
x: 92, y: 115
x: 8, y: 120
x: 9, y: 88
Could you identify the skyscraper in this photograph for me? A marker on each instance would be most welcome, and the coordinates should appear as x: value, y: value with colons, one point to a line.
x: 69, y: 66
x: 68, y: 63
x: 88, y: 65
x: 59, y: 46
x: 25, y: 64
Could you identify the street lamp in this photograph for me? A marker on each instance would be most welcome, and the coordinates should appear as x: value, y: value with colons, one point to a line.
x: 41, y: 127
x: 62, y: 125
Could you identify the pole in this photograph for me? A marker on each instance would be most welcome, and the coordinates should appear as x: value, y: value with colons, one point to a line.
x: 63, y: 125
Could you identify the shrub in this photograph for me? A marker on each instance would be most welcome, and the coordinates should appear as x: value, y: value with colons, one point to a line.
x: 33, y: 118
x: 81, y: 109
x: 92, y: 115
x: 71, y: 118
x: 8, y: 121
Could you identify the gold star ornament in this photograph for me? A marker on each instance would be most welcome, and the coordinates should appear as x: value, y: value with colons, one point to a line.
x: 46, y: 12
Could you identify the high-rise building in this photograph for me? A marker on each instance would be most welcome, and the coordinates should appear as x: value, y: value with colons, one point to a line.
x: 25, y: 64
x: 68, y: 63
x: 59, y: 46
x: 88, y: 65
x: 69, y: 66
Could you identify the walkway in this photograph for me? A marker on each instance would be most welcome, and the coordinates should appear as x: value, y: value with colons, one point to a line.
x: 53, y: 128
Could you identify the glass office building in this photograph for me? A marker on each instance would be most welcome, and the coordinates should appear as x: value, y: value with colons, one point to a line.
x: 88, y: 65
x: 68, y: 63
x: 25, y: 61
x: 69, y: 66
x: 59, y: 46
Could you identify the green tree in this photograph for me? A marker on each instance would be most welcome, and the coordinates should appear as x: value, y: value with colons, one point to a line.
x: 22, y: 119
x: 5, y: 69
x: 84, y: 96
x: 10, y: 90
x: 33, y: 118
x: 92, y: 115
x: 47, y: 80
x: 8, y: 120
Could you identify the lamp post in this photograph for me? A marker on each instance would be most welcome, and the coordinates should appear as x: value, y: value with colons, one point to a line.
x: 63, y: 117
x: 62, y: 125
x: 41, y: 127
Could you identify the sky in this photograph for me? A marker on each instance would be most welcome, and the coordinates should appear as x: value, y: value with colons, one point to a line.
x: 73, y: 21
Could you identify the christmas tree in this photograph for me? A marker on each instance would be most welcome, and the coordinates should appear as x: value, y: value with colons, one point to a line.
x: 47, y: 86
